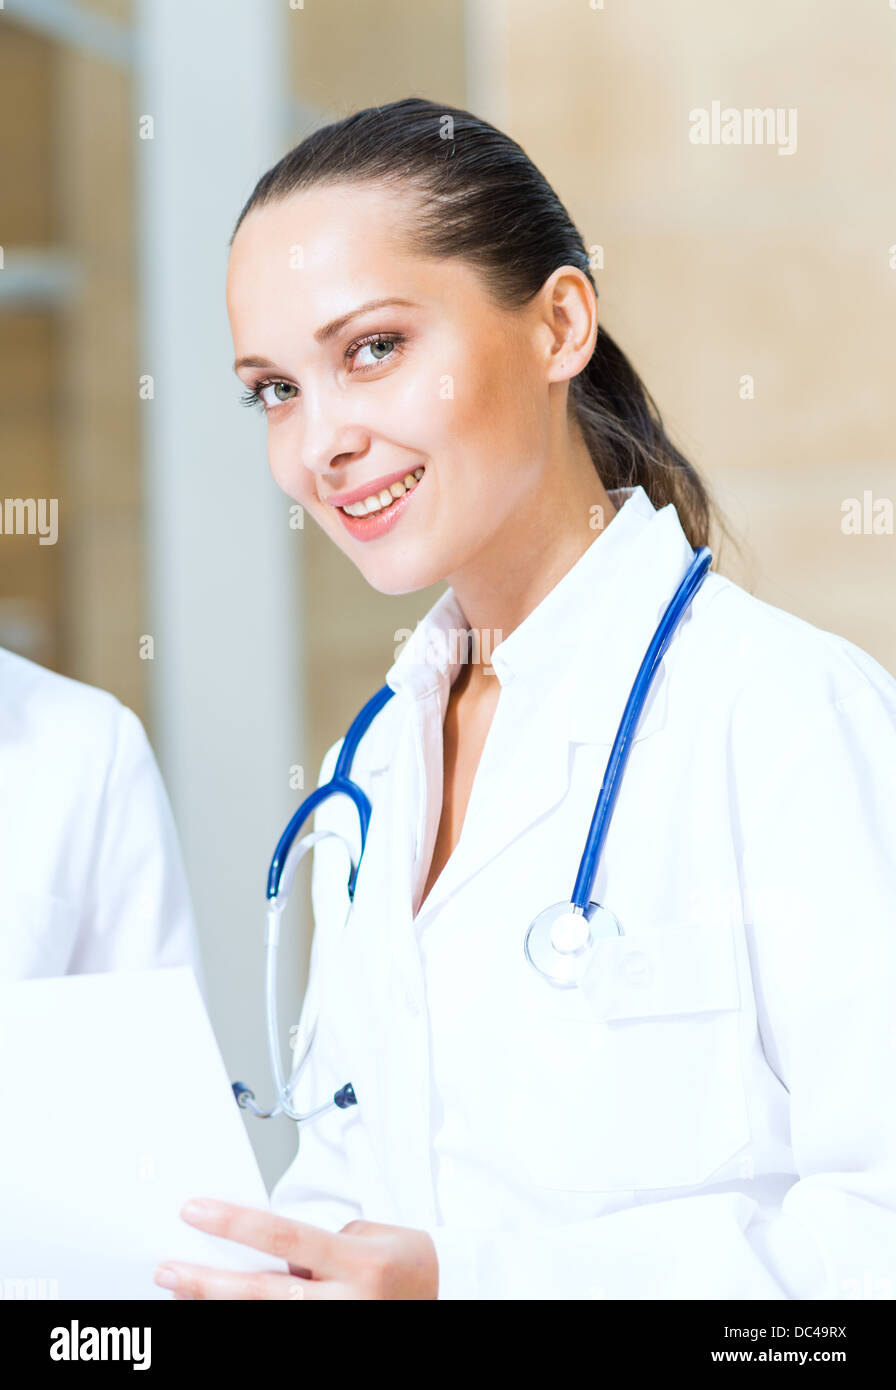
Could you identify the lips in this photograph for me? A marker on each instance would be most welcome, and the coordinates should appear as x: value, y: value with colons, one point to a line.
x: 367, y: 520
x: 370, y: 489
x: 378, y: 501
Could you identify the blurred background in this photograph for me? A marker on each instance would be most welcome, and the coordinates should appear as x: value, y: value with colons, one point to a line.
x: 753, y: 289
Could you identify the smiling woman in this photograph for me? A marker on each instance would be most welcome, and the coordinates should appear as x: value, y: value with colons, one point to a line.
x: 413, y: 310
x: 390, y: 314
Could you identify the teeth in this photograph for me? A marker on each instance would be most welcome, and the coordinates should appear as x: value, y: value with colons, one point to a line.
x: 378, y: 500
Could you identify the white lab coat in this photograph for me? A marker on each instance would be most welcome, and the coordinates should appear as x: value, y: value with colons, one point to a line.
x: 91, y: 875
x: 713, y: 1117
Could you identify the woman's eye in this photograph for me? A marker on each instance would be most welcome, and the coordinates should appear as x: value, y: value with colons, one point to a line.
x: 270, y: 394
x: 379, y: 348
x: 276, y: 393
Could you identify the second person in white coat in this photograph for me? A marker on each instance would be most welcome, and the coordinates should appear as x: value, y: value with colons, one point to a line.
x: 91, y: 873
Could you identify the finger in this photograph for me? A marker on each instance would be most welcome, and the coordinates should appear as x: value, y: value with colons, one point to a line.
x: 199, y: 1282
x: 295, y: 1242
x: 323, y: 1291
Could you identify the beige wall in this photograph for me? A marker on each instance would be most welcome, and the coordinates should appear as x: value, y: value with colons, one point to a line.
x: 351, y: 54
x: 723, y: 260
x: 29, y: 360
x: 69, y: 422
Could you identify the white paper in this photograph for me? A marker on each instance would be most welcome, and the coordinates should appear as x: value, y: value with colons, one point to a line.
x: 115, y: 1108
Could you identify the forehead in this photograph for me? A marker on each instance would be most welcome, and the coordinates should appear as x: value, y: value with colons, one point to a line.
x: 340, y: 234
x: 329, y: 222
x: 319, y: 253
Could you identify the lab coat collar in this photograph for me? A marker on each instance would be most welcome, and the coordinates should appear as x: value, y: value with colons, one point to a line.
x: 555, y: 625
x: 434, y: 651
x: 579, y: 649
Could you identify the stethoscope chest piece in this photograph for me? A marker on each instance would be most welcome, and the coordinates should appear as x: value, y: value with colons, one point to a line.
x: 560, y: 940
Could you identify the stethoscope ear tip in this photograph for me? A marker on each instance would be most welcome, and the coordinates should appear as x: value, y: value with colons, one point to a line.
x: 345, y: 1096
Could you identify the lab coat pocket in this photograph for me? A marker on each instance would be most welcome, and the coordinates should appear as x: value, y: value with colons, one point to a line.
x: 641, y: 1083
x: 37, y: 935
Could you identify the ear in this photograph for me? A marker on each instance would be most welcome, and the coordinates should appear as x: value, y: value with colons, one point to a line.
x: 569, y: 314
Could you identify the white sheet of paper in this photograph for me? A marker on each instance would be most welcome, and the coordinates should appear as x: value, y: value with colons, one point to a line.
x: 115, y: 1108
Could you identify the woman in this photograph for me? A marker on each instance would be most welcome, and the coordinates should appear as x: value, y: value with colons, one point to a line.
x: 413, y: 309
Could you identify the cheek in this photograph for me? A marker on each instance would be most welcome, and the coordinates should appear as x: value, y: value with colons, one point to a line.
x: 295, y: 481
x: 496, y: 425
x: 497, y: 398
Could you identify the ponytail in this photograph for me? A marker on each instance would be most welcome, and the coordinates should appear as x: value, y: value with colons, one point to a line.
x: 625, y: 436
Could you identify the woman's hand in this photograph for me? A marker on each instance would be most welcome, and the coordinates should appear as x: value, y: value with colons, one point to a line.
x: 364, y: 1260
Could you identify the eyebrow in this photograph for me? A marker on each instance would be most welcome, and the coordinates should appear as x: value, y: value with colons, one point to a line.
x: 329, y: 330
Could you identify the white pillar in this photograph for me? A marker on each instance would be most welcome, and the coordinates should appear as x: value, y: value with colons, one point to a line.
x: 222, y: 562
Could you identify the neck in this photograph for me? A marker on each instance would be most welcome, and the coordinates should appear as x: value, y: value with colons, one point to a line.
x: 537, y: 545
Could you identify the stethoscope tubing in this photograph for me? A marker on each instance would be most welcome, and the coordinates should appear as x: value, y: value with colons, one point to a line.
x: 634, y: 708
x: 340, y: 783
x: 284, y: 1088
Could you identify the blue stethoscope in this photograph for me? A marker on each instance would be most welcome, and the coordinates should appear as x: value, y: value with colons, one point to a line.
x: 559, y: 940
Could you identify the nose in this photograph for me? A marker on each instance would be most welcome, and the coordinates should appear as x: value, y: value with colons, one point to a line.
x: 330, y: 439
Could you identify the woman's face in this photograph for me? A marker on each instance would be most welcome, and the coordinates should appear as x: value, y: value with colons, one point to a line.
x: 443, y: 389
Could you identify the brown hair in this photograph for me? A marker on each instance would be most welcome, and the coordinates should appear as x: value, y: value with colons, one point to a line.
x: 482, y: 200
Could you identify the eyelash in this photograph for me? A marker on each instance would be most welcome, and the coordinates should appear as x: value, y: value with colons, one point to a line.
x: 252, y: 397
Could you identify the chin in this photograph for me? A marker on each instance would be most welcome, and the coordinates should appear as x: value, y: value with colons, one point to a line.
x: 402, y: 577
